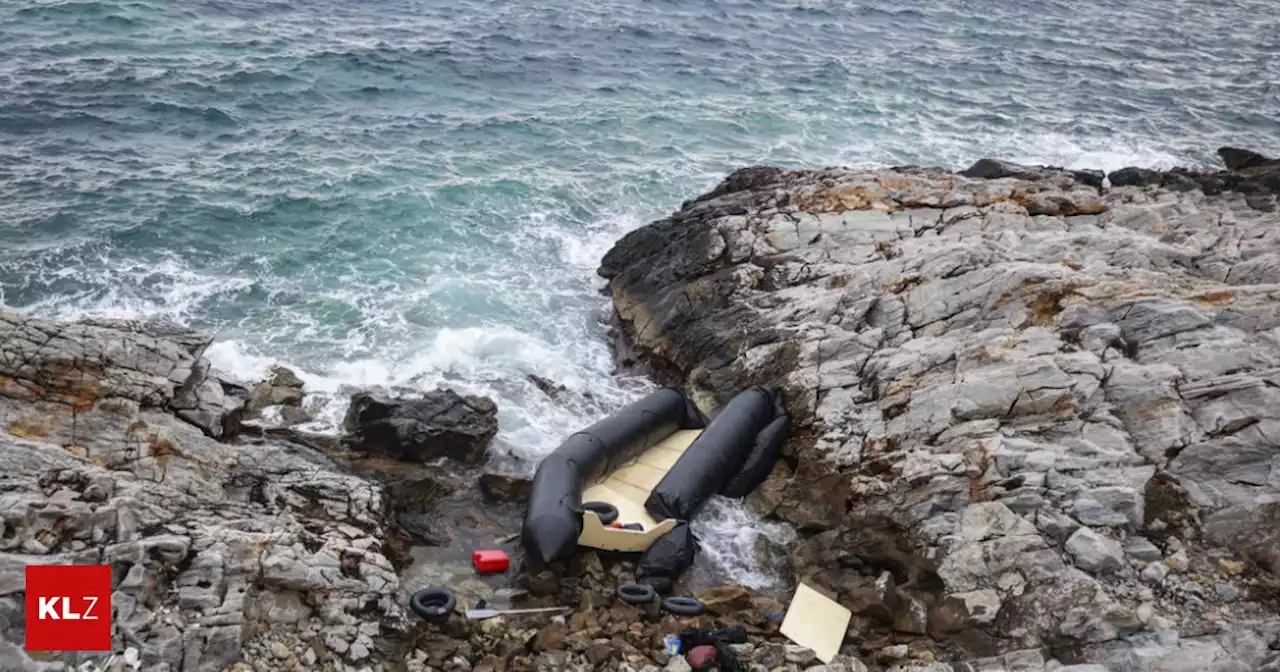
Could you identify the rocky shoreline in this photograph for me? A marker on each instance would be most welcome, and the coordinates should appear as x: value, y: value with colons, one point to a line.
x: 1036, y: 409
x: 1039, y: 405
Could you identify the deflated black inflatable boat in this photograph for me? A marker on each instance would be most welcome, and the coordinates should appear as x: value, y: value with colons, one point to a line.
x: 731, y: 455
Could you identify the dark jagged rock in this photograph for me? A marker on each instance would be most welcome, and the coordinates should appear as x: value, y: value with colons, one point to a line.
x: 283, y: 388
x: 504, y: 482
x: 547, y: 386
x: 440, y: 424
x: 1135, y: 177
x: 1237, y: 159
x: 994, y: 169
x: 753, y: 178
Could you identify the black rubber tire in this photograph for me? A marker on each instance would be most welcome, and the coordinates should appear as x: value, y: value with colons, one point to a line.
x: 683, y: 606
x: 607, y: 512
x: 433, y: 605
x: 636, y: 593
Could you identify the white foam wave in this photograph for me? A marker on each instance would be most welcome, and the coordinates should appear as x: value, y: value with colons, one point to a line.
x: 167, y: 287
x: 1106, y: 154
x: 731, y: 537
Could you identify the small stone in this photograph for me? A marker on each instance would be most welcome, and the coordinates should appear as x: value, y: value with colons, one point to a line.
x: 891, y: 653
x: 280, y: 651
x: 799, y: 655
x: 599, y: 653
x: 336, y: 644
x: 1227, y: 592
x: 550, y: 637
x: 309, y: 657
x: 726, y: 600
x: 1111, y: 506
x: 1155, y: 573
x: 678, y: 664
x: 1145, y: 611
x: 1146, y: 595
x: 358, y: 652
x: 1178, y: 562
x: 1230, y: 567
x: 1158, y: 623
x: 770, y: 654
x: 1141, y: 549
x: 1095, y: 553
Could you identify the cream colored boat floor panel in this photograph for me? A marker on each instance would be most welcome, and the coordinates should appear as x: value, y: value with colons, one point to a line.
x: 627, y: 488
x: 816, y: 622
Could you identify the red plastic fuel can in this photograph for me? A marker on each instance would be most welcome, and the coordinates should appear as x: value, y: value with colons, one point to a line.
x: 490, y: 562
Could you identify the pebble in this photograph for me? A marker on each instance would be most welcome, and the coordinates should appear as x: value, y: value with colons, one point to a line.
x: 1146, y: 611
x: 1178, y: 562
x: 336, y: 644
x: 891, y: 653
x: 1142, y: 549
x: 1155, y: 573
x: 1227, y: 592
x: 309, y: 657
x: 678, y: 664
x: 799, y: 654
x: 1230, y: 567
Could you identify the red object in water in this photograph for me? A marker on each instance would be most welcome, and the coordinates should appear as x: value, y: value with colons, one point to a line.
x: 701, y: 657
x: 490, y: 562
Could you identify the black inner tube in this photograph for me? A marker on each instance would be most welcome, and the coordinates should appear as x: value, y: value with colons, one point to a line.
x: 607, y: 512
x: 433, y: 605
x: 636, y: 593
x: 683, y: 606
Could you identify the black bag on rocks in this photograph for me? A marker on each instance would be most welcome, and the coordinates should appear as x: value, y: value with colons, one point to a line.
x: 667, y: 559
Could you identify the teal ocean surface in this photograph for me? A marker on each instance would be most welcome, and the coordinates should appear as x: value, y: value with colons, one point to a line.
x: 415, y: 193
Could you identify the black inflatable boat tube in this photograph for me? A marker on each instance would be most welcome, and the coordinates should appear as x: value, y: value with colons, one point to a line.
x: 715, y: 457
x: 553, y: 520
x: 764, y: 454
x: 667, y: 558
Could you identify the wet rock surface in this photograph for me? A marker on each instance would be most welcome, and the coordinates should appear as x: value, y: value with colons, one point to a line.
x: 1036, y: 409
x: 441, y: 423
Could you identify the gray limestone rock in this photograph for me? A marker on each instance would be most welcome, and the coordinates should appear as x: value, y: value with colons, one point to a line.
x: 984, y: 366
x: 108, y: 456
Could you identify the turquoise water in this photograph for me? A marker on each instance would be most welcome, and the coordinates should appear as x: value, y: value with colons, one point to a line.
x: 413, y: 193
